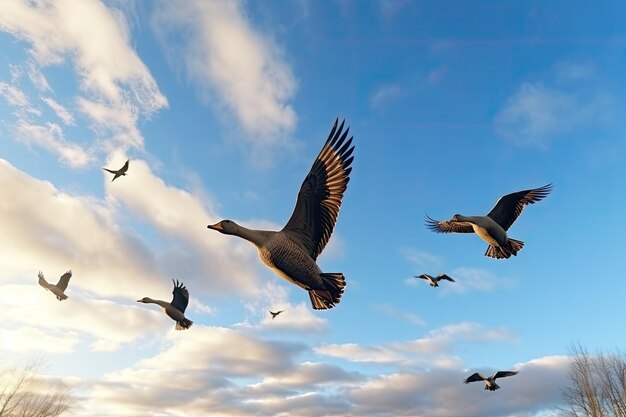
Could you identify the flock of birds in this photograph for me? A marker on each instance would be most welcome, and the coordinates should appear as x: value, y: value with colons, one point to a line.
x: 292, y: 252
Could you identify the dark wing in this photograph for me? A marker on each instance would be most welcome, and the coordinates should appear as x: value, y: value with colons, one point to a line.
x: 448, y: 226
x: 474, y: 377
x: 181, y: 296
x: 502, y: 374
x: 42, y: 281
x: 319, y: 199
x: 64, y: 280
x: 423, y: 276
x: 125, y: 167
x: 108, y: 170
x: 509, y: 207
x: 446, y: 277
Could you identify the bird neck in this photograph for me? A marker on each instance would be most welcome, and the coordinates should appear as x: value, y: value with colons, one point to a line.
x: 162, y: 303
x: 251, y: 235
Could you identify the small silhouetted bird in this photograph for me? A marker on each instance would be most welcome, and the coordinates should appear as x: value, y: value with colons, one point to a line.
x: 60, y: 286
x: 120, y: 172
x: 490, y: 382
x: 492, y: 227
x: 433, y: 281
x: 176, y: 309
x: 275, y: 314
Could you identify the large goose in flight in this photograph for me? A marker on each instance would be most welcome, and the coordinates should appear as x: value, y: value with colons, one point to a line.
x: 492, y: 227
x: 292, y: 251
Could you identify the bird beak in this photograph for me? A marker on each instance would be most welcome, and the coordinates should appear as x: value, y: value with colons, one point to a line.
x: 216, y: 226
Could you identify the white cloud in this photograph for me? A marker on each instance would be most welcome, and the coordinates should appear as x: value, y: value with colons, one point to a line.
x: 42, y: 314
x: 391, y: 311
x: 385, y: 95
x: 431, y: 349
x: 421, y: 259
x: 468, y: 279
x: 29, y: 339
x: 13, y: 95
x: 233, y: 63
x: 63, y: 114
x: 536, y: 114
x: 50, y: 136
x: 96, y: 40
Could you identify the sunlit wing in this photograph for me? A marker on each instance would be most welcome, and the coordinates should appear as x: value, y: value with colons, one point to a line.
x: 509, y: 207
x: 64, y: 280
x: 181, y: 296
x: 448, y: 226
x: 319, y: 199
x: 42, y: 281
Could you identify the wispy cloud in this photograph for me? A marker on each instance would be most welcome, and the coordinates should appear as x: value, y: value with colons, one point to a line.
x: 62, y: 113
x: 96, y: 40
x: 242, y: 70
x: 421, y: 259
x: 50, y: 136
x: 393, y: 312
x: 536, y: 114
x: 13, y: 95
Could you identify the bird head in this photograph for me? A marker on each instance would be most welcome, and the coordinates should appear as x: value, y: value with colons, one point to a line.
x: 456, y: 218
x: 227, y: 227
x: 144, y: 300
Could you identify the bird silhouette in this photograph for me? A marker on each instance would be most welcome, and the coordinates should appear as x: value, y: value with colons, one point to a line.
x: 490, y: 382
x: 120, y: 172
x: 275, y: 314
x: 433, y: 281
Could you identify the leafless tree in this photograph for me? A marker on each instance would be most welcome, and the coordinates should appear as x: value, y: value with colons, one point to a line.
x: 25, y: 394
x: 598, y: 385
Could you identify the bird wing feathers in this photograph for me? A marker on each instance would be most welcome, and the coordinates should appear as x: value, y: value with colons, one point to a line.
x: 474, y: 377
x: 181, y: 296
x: 42, y: 281
x: 502, y: 374
x: 446, y: 277
x: 64, y: 280
x: 319, y: 199
x: 509, y: 207
x: 448, y: 226
x: 423, y: 276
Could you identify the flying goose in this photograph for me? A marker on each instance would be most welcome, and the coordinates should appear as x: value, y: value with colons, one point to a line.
x: 176, y: 309
x: 490, y: 382
x: 292, y: 251
x: 275, y: 314
x: 120, y: 172
x: 492, y: 227
x: 60, y: 286
x: 433, y: 281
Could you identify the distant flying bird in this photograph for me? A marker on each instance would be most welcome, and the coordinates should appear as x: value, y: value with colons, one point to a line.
x: 490, y: 382
x: 120, y: 172
x: 60, y: 286
x: 275, y: 314
x: 492, y: 227
x: 292, y: 251
x: 433, y: 281
x: 176, y: 309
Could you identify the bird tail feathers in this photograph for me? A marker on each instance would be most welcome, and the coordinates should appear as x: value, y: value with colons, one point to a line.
x: 335, y: 283
x: 184, y: 324
x: 500, y: 252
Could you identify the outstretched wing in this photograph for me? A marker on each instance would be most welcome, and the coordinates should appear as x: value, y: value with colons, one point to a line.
x: 474, y: 377
x: 314, y: 217
x: 64, y: 280
x: 108, y: 170
x: 181, y: 296
x: 446, y: 277
x: 125, y: 167
x: 448, y: 226
x: 502, y: 374
x: 42, y: 281
x: 509, y: 207
x: 423, y: 276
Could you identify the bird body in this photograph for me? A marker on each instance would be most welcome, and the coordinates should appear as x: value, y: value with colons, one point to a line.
x: 492, y: 228
x: 120, y: 172
x: 292, y: 252
x: 59, y: 288
x: 176, y: 309
x: 434, y: 281
x: 274, y: 314
x: 490, y: 382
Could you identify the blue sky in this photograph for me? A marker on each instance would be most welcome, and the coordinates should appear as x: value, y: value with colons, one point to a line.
x: 221, y: 108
